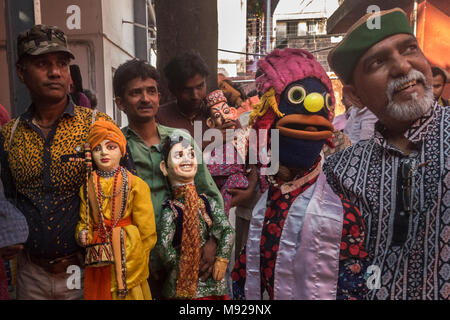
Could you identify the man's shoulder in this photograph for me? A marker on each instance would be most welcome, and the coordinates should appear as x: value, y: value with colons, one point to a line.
x: 8, y: 126
x: 6, y: 132
x: 166, y: 109
x: 165, y: 131
x: 87, y: 114
x: 168, y: 105
x: 347, y: 153
x: 446, y: 109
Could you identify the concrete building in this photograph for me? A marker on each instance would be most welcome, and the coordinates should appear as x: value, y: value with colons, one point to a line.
x: 303, y: 24
x: 232, y: 19
x: 102, y: 34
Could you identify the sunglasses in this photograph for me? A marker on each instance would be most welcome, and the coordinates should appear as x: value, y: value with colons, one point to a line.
x: 405, y: 198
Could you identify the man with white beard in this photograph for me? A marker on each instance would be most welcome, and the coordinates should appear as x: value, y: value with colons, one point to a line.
x: 400, y: 178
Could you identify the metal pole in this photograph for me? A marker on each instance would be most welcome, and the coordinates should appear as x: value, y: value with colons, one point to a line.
x: 415, y: 18
x: 37, y: 12
x: 268, y: 14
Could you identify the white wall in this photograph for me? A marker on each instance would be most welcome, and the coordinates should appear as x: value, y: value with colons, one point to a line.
x: 118, y: 42
x: 232, y: 19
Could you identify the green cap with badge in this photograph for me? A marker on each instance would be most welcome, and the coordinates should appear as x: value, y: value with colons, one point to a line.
x: 42, y: 39
x: 362, y: 36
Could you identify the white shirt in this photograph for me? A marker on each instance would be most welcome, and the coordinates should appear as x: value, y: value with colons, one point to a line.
x: 360, y: 124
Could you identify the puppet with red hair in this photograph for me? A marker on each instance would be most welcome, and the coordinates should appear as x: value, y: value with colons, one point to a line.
x: 304, y: 242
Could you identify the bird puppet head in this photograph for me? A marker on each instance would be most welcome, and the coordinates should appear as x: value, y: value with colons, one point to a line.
x: 297, y: 100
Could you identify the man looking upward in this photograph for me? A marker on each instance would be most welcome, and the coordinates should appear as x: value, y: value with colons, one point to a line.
x: 399, y: 179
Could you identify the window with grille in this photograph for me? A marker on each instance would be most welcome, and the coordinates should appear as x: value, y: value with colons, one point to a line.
x: 312, y: 27
x: 292, y: 29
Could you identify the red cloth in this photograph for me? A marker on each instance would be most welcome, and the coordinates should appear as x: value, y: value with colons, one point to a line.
x: 97, y: 280
x: 4, y: 292
x: 4, y: 116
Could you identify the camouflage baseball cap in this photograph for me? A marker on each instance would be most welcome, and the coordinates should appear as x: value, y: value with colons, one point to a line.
x: 42, y: 39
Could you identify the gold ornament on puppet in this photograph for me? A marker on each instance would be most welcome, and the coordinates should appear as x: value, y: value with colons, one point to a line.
x: 107, y: 145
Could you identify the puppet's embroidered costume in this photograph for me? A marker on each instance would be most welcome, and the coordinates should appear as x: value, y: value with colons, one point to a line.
x: 117, y: 223
x: 188, y: 220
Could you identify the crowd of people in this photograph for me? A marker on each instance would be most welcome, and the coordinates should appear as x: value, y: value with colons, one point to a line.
x: 357, y: 209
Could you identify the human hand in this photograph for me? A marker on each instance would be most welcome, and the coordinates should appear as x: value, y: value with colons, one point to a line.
x: 10, y: 252
x: 83, y: 237
x: 207, y: 259
x: 244, y: 197
x: 220, y: 268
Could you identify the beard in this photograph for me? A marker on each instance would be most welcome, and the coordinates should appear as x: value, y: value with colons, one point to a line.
x: 416, y: 107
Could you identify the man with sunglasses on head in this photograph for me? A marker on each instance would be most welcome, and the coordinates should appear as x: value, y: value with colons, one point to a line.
x: 37, y: 172
x: 400, y: 178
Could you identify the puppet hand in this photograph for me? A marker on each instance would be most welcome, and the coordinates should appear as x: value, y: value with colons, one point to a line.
x: 82, y: 236
x: 220, y: 267
x: 207, y: 259
x: 10, y: 252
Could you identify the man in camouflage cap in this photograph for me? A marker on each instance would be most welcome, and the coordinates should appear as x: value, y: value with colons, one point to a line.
x: 399, y: 178
x: 37, y: 171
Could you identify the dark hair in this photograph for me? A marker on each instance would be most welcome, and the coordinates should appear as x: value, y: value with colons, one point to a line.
x: 184, y: 67
x: 77, y: 80
x: 438, y: 71
x: 130, y: 70
x: 169, y: 142
x: 75, y: 74
x: 92, y: 98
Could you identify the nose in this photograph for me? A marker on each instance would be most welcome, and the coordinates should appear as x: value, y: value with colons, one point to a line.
x: 196, y: 94
x: 400, y: 65
x: 102, y: 150
x: 223, y: 116
x: 314, y: 102
x: 54, y: 70
x: 145, y: 97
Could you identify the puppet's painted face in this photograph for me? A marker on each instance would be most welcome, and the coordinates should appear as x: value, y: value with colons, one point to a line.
x: 221, y: 116
x: 181, y: 165
x: 305, y: 126
x: 107, y: 155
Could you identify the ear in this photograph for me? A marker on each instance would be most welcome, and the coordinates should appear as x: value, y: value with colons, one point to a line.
x: 349, y: 92
x: 119, y: 104
x: 210, y: 123
x: 20, y: 75
x: 162, y: 166
x: 233, y: 112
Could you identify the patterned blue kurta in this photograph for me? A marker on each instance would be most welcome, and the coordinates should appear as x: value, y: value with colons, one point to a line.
x: 367, y: 174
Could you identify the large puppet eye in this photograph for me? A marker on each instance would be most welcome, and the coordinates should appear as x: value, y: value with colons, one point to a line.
x: 296, y: 94
x: 328, y: 101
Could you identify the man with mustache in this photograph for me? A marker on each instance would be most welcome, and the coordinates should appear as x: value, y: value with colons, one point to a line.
x: 399, y: 179
x: 37, y: 172
x: 137, y: 94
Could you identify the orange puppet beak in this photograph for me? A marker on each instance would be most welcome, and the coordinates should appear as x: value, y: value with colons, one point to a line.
x: 306, y: 127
